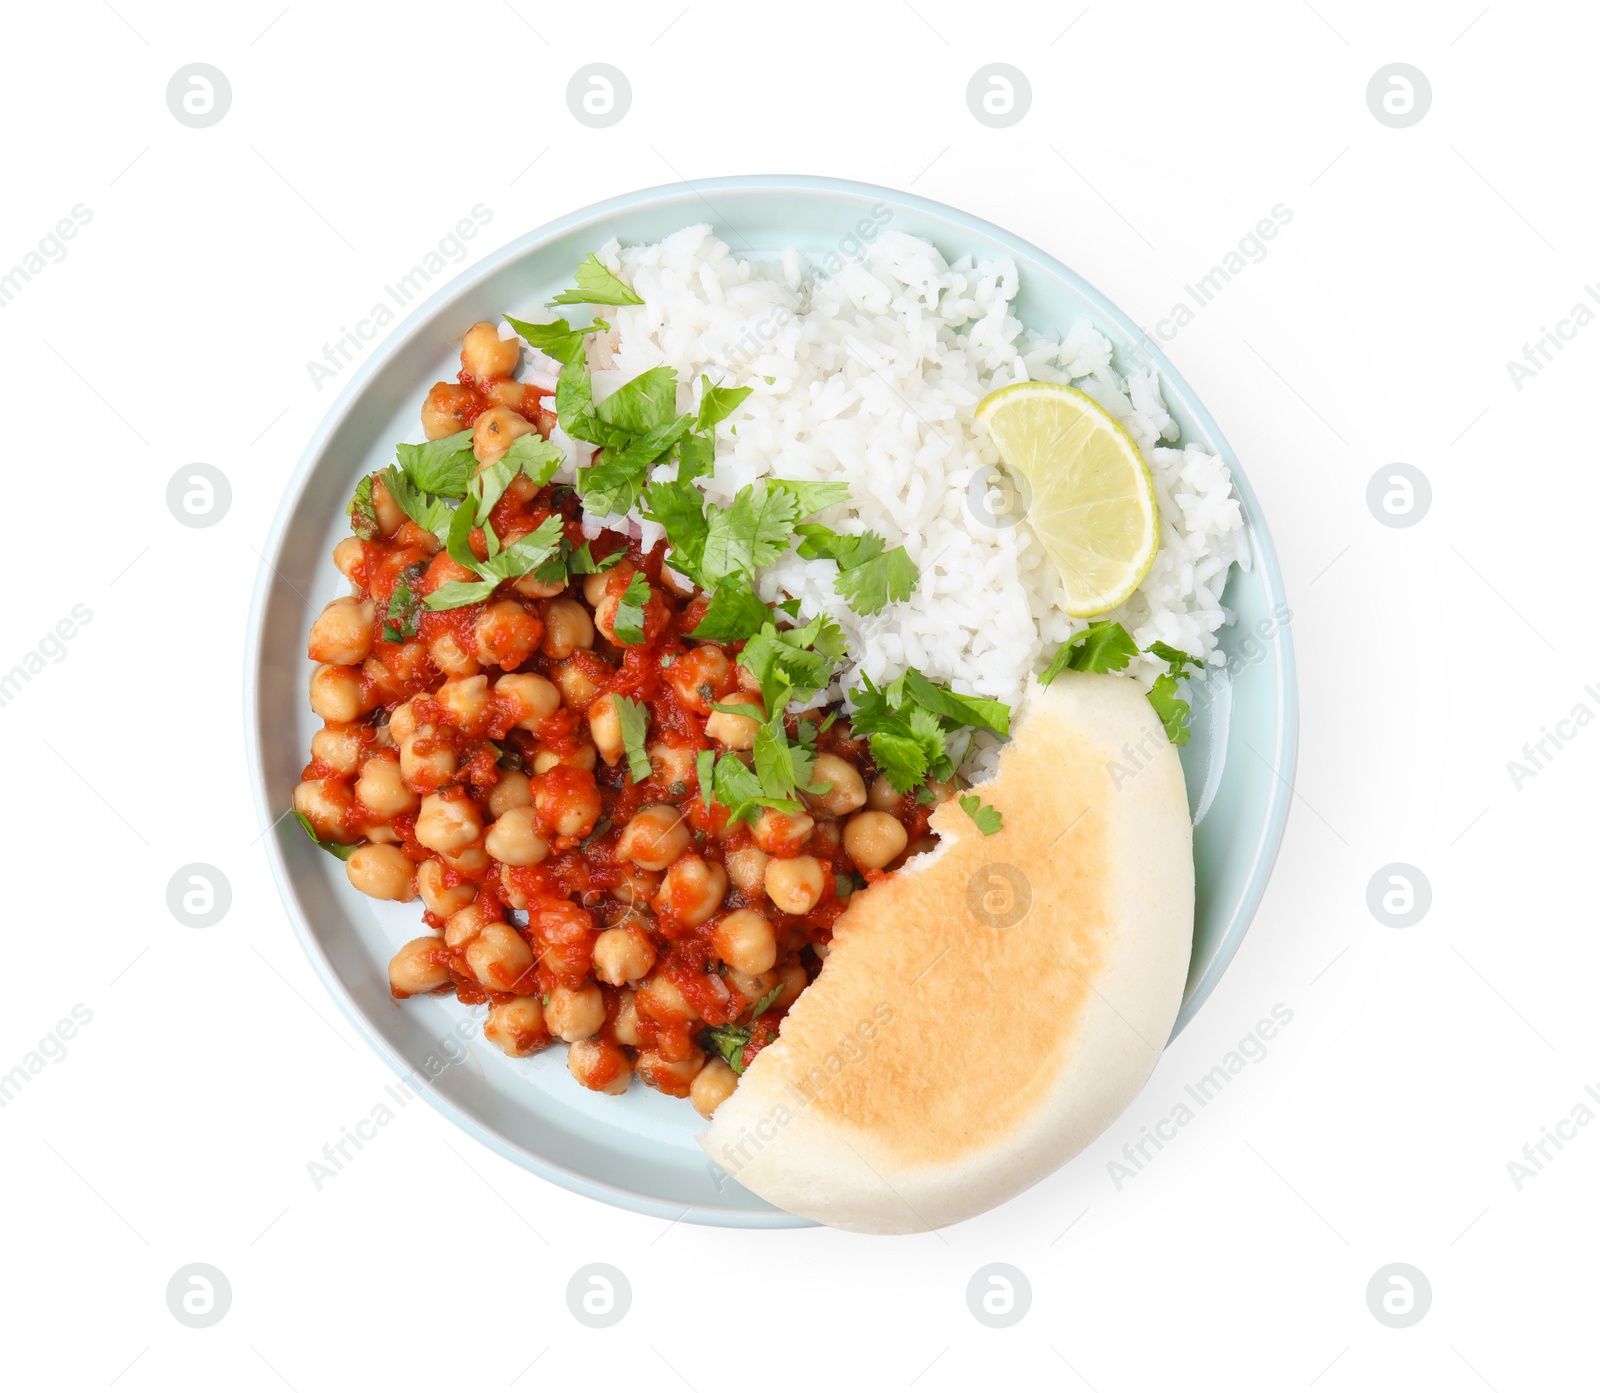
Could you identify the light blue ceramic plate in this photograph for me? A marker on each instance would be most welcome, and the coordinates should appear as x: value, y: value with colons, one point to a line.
x: 639, y: 1151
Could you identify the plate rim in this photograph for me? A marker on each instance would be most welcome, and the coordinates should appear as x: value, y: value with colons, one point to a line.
x: 1285, y: 749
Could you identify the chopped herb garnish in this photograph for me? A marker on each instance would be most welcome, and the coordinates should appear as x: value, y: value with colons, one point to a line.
x: 400, y: 618
x: 343, y: 850
x: 1171, y: 708
x: 734, y: 614
x: 430, y: 514
x: 558, y: 339
x: 911, y: 723
x: 703, y: 761
x: 869, y: 577
x: 717, y: 404
x: 1105, y: 646
x: 986, y: 817
x: 596, y: 286
x: 635, y: 722
x: 628, y: 624
x: 442, y: 467
x: 752, y: 533
x: 523, y: 555
x: 363, y: 512
x: 600, y: 829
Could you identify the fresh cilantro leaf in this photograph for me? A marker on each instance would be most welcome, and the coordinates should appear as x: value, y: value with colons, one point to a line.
x: 739, y: 790
x: 613, y: 482
x: 1174, y: 658
x: 703, y: 761
x: 635, y: 722
x: 454, y: 594
x: 628, y: 625
x: 487, y: 486
x: 811, y: 496
x: 729, y: 1041
x: 955, y: 706
x: 538, y: 458
x: 343, y: 850
x: 735, y: 613
x: 1105, y: 646
x: 600, y: 829
x: 526, y: 553
x: 458, y: 539
x: 802, y: 659
x: 442, y: 467
x: 1171, y: 708
x: 783, y: 768
x: 575, y: 410
x: 791, y: 607
x: 987, y: 818
x: 680, y: 509
x: 868, y: 587
x: 642, y: 403
x: 558, y: 339
x: 765, y: 1004
x: 696, y: 457
x: 431, y: 514
x: 847, y: 548
x: 400, y: 618
x: 596, y: 286
x: 752, y: 533
x: 580, y: 561
x: 363, y: 511
x: 717, y: 404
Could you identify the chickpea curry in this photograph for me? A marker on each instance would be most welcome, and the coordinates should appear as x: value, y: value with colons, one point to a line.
x: 610, y: 772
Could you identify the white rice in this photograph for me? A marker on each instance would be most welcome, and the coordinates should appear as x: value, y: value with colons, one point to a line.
x: 875, y: 371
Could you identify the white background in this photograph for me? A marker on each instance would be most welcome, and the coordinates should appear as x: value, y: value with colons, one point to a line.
x: 1419, y: 1061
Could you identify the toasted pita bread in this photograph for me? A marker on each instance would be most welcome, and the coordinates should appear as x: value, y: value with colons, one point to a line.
x: 991, y: 1009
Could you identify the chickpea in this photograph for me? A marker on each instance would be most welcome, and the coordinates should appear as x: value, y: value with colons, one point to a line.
x: 509, y: 392
x: 337, y: 695
x: 795, y: 883
x: 752, y: 989
x: 623, y: 954
x: 389, y: 513
x: 625, y: 1024
x: 494, y: 431
x: 873, y: 839
x: 712, y: 1087
x: 384, y: 872
x: 513, y: 791
x: 567, y: 801
x: 339, y: 747
x: 444, y: 410
x: 635, y: 887
x: 498, y: 956
x: 326, y: 804
x: 735, y: 732
x: 342, y: 633
x: 847, y: 791
x: 567, y: 628
x: 448, y: 824
x: 655, y: 837
x: 417, y: 968
x: 466, y: 699
x: 600, y: 1065
x: 517, y: 1026
x: 594, y: 587
x: 699, y: 675
x: 747, y: 868
x: 471, y: 861
x: 744, y: 940
x: 605, y: 613
x: 534, y: 698
x: 825, y: 839
x: 485, y: 354
x: 451, y: 658
x: 511, y: 892
x: 441, y: 899
x: 402, y: 722
x: 506, y: 635
x: 660, y: 1000
x: 514, y: 839
x: 794, y: 981
x: 673, y: 1077
x: 382, y: 788
x: 605, y: 725
x: 674, y: 764
x: 347, y: 556
x: 426, y: 763
x: 466, y: 924
x: 575, y: 1013
x: 883, y: 796
x: 578, y: 688
x: 581, y: 758
x: 693, y: 890
x: 782, y: 834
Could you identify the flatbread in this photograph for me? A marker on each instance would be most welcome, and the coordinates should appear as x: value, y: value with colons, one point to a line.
x: 987, y: 1012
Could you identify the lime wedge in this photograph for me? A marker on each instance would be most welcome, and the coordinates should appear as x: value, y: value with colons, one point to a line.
x: 1091, y: 501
